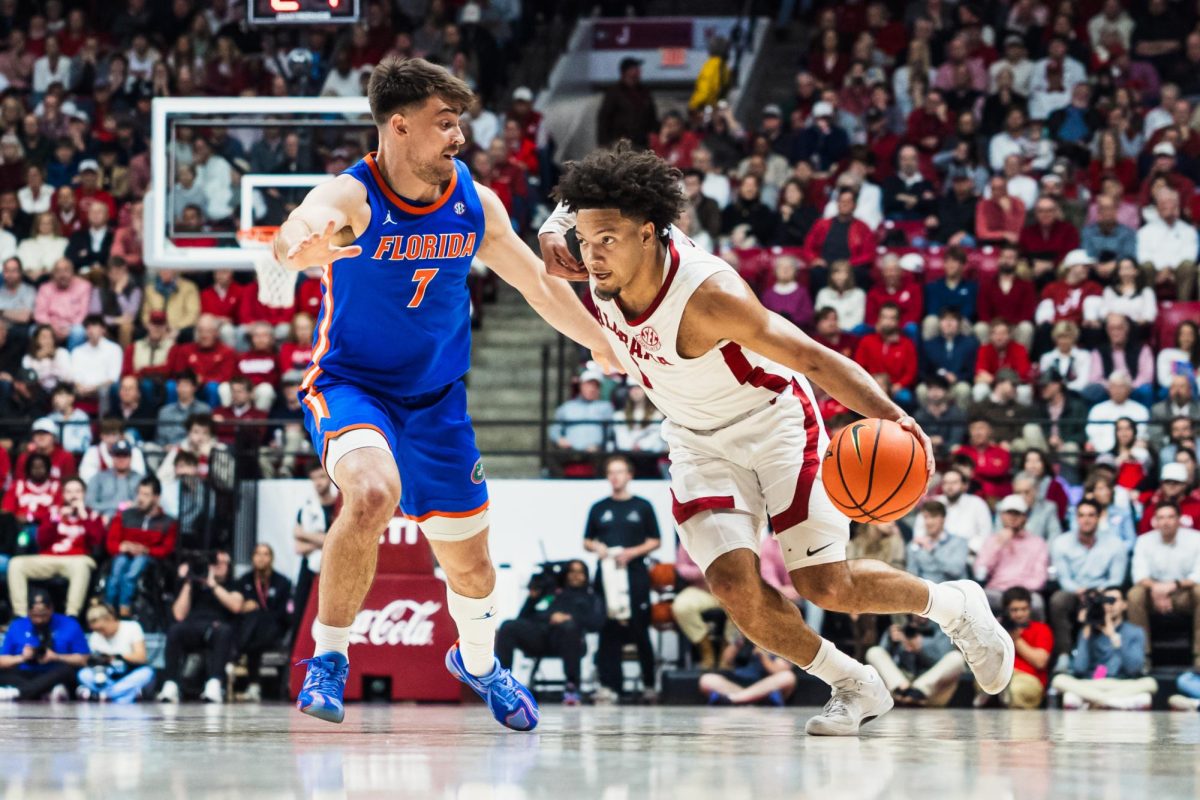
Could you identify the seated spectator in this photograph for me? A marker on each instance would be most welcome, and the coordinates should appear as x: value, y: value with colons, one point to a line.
x: 265, y: 616
x: 950, y: 355
x: 937, y: 555
x: 132, y: 410
x: 17, y: 296
x: 841, y: 295
x: 221, y: 301
x: 952, y: 222
x: 748, y: 209
x: 587, y: 407
x: 1106, y: 240
x: 880, y: 541
x: 1174, y: 487
x: 296, y: 353
x: 1181, y: 437
x: 1073, y: 298
x: 908, y: 195
x: 1034, y: 642
x: 951, y: 291
x: 1048, y: 239
x: 137, y: 534
x: 823, y: 143
x: 1042, y: 519
x: 1120, y: 351
x: 1084, y: 561
x: 117, y: 300
x: 1167, y: 246
x: 637, y: 428
x: 172, y: 418
x: 1183, y: 359
x: 1101, y: 433
x: 868, y: 198
x: 1106, y: 665
x: 62, y: 303
x: 67, y: 538
x: 113, y: 487
x: 787, y: 297
x: 1165, y: 573
x: 74, y: 424
x: 1000, y: 217
x: 840, y: 238
x: 100, y: 455
x: 1013, y: 557
x: 89, y: 247
x: 95, y: 364
x: 210, y: 359
x: 287, y: 440
x: 204, y: 615
x: 828, y: 331
x: 1005, y: 408
x: 689, y: 606
x: 943, y: 421
x: 749, y: 675
x: 889, y: 352
x: 176, y: 297
x: 200, y: 442
x: 240, y: 409
x: 43, y: 440
x: 39, y: 253
x: 918, y: 664
x: 796, y: 215
x: 1063, y: 413
x: 900, y: 288
x: 1006, y: 296
x: 1180, y: 402
x: 674, y: 143
x: 147, y: 358
x: 1072, y: 364
x: 967, y: 515
x: 705, y: 211
x: 1000, y: 352
x: 41, y: 653
x: 117, y: 671
x: 553, y: 622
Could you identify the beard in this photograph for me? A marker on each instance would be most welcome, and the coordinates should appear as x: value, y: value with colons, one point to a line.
x: 607, y: 295
x: 434, y: 171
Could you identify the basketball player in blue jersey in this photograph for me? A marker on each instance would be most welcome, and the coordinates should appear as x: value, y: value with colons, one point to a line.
x: 384, y: 399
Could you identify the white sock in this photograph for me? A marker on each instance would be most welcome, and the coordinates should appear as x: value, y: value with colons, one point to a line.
x: 945, y: 604
x: 832, y: 665
x: 477, y: 622
x: 330, y: 639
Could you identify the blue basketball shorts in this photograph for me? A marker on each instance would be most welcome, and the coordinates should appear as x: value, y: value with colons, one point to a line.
x: 442, y: 484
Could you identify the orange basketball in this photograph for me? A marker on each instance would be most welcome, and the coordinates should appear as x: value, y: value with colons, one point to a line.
x: 874, y: 471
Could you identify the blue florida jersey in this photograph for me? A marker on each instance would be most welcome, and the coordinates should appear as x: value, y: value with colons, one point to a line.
x: 396, y: 320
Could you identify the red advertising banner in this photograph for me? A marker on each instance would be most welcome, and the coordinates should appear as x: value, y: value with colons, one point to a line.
x: 641, y: 35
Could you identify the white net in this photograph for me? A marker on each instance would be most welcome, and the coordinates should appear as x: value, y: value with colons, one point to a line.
x: 276, y: 283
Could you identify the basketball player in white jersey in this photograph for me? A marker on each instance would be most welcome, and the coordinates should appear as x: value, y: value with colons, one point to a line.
x: 745, y: 437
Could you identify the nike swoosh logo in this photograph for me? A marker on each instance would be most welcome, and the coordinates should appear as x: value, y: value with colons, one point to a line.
x: 491, y: 613
x: 813, y: 552
x: 854, y: 429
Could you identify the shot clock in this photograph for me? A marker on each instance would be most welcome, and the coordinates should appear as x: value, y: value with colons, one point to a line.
x: 303, y: 12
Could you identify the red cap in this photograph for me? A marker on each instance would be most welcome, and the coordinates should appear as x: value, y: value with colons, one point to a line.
x: 158, y: 318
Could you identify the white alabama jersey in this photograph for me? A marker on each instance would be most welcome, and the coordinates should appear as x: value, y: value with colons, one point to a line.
x: 703, y: 393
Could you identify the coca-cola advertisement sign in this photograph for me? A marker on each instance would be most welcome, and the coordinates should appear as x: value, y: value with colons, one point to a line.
x: 400, y: 622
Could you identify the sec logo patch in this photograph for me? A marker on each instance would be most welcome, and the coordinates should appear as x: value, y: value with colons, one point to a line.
x: 649, y: 339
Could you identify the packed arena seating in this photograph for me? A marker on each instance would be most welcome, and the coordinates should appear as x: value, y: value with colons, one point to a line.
x: 1049, y: 155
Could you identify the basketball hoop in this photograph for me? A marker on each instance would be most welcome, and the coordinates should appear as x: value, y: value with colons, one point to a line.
x: 276, y: 283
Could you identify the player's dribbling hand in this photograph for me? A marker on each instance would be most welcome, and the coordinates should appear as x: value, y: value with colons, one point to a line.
x: 318, y: 249
x: 909, y: 424
x: 558, y: 259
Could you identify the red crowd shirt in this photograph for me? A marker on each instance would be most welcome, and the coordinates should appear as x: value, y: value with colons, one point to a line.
x: 308, y: 297
x: 898, y: 359
x: 1017, y: 305
x: 71, y: 535
x: 260, y: 366
x: 33, y: 500
x: 1189, y: 511
x: 221, y: 305
x: 1039, y: 635
x: 1059, y: 240
x: 250, y: 309
x: 845, y: 343
x: 62, y: 463
x: 294, y: 356
x: 992, y: 465
x: 230, y: 433
x: 907, y: 295
x: 1014, y: 357
x: 157, y: 532
x: 1068, y: 300
x: 211, y: 364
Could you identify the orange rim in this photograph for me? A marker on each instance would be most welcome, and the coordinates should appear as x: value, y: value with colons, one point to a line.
x: 258, y: 236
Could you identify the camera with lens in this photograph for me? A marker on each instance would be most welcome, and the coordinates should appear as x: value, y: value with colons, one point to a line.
x: 1095, y: 608
x: 912, y: 630
x: 198, y: 564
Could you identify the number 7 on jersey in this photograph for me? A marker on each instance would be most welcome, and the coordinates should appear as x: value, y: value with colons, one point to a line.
x: 421, y: 277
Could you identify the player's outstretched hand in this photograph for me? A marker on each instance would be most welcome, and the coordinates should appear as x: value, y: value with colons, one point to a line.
x: 909, y: 424
x: 558, y: 259
x: 317, y: 249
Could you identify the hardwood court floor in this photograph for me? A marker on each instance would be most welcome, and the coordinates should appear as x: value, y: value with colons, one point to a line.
x: 613, y: 753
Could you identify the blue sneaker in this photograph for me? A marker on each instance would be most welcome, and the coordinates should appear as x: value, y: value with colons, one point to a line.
x: 511, y: 703
x: 321, y: 694
x: 775, y: 698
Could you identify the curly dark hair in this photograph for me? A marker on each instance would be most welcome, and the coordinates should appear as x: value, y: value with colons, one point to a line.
x: 636, y: 182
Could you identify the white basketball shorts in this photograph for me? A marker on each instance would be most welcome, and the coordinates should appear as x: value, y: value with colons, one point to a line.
x: 765, y: 466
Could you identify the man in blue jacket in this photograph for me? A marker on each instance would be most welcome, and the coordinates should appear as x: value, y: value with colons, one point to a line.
x: 1108, y: 659
x: 952, y: 291
x: 41, y: 653
x: 950, y: 356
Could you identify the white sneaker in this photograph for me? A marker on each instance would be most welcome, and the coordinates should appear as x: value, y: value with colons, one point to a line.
x: 59, y: 694
x: 604, y: 696
x: 169, y: 693
x: 9, y: 694
x: 1177, y: 702
x: 253, y: 694
x: 83, y: 693
x: 1074, y: 702
x: 1134, y: 702
x: 986, y: 647
x: 854, y: 703
x: 212, y: 692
